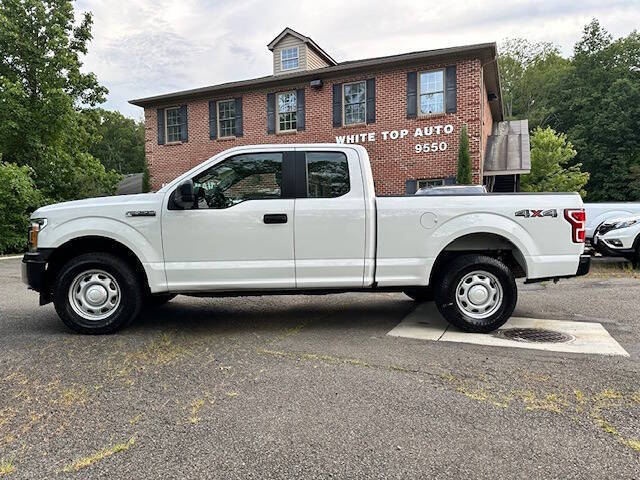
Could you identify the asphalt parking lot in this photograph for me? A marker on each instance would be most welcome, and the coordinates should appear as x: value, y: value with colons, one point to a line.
x: 313, y: 387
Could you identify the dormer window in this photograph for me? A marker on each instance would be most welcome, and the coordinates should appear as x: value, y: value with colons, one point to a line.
x: 289, y: 58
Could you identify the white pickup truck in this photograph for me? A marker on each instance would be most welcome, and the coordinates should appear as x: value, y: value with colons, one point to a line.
x: 297, y: 219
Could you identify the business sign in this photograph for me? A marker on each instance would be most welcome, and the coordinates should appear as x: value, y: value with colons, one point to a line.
x: 421, y: 135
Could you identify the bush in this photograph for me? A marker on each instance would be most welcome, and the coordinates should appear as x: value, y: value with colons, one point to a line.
x: 464, y: 176
x: 18, y: 198
x: 551, y: 153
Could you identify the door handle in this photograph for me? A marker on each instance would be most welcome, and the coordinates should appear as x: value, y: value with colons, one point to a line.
x: 271, y: 218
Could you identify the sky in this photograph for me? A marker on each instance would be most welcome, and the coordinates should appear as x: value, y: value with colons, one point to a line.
x: 142, y: 48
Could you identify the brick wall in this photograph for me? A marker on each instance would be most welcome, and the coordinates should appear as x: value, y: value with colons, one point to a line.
x: 393, y: 161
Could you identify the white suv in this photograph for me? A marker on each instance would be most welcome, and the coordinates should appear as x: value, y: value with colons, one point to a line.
x: 619, y: 237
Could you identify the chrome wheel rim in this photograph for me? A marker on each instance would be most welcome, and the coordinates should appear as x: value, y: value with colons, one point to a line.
x: 479, y: 294
x: 94, y: 295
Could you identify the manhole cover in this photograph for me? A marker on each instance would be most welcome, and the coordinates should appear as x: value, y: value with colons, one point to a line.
x: 534, y: 335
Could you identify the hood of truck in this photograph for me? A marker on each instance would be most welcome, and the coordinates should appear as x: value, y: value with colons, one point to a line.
x: 101, y: 205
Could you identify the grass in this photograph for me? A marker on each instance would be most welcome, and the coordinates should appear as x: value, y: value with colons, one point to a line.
x: 6, y: 467
x: 612, y: 269
x: 85, y: 462
x: 195, y: 408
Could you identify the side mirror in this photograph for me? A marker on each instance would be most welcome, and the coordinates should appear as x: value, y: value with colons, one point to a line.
x: 184, y: 197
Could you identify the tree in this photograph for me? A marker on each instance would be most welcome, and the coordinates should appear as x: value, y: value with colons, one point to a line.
x: 527, y: 72
x: 18, y: 198
x: 598, y: 106
x: 463, y: 176
x: 42, y: 93
x: 120, y: 141
x: 550, y: 155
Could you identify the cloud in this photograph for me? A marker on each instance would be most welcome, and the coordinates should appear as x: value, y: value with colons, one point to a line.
x: 148, y: 47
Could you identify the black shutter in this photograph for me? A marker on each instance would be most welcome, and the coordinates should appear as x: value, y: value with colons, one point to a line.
x: 160, y: 114
x: 238, y: 116
x: 410, y: 186
x: 371, y: 100
x: 412, y: 94
x: 271, y: 113
x: 450, y: 94
x: 337, y: 104
x: 184, y: 123
x: 300, y: 109
x: 213, y: 122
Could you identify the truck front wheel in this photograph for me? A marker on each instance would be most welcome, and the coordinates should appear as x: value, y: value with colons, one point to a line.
x: 476, y: 293
x: 97, y: 293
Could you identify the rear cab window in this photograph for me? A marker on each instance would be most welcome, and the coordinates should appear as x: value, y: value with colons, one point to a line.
x: 327, y: 174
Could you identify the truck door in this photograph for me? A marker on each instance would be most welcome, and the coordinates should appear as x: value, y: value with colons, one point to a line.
x: 329, y: 226
x: 239, y: 233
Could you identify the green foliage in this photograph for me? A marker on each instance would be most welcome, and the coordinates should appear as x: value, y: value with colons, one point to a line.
x: 120, y: 143
x: 463, y: 177
x: 42, y: 90
x: 18, y: 198
x: 527, y: 70
x: 594, y: 98
x: 550, y: 155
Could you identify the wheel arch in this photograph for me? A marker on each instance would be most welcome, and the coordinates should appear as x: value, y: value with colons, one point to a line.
x: 89, y: 244
x: 491, y: 244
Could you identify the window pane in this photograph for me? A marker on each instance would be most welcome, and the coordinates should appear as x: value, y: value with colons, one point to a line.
x: 327, y: 174
x: 287, y: 107
x: 174, y: 122
x: 255, y: 176
x: 289, y: 58
x: 287, y: 102
x: 434, y: 182
x: 355, y: 103
x: 226, y: 118
x: 432, y: 103
x: 431, y: 82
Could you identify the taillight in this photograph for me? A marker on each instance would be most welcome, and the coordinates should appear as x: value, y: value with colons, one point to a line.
x: 577, y: 218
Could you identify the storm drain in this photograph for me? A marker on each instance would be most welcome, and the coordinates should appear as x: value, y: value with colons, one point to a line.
x: 534, y: 335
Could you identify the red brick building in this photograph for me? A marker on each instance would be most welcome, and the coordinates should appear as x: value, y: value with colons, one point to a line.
x: 407, y: 110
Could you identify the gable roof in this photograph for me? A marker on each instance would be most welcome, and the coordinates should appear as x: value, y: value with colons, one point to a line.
x: 303, y: 38
x: 486, y: 52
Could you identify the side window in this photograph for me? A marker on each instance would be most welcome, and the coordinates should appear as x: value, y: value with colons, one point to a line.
x: 327, y: 174
x: 252, y: 176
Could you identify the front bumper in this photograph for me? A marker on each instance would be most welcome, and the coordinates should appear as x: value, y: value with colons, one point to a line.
x: 584, y: 264
x: 34, y: 268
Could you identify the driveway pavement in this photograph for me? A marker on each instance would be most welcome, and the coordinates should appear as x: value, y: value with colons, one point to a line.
x: 312, y: 387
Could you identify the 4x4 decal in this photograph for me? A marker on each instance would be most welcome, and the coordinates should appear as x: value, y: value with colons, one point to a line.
x: 537, y: 213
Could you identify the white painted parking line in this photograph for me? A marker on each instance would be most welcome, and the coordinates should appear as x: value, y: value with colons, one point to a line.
x: 10, y: 257
x: 426, y: 323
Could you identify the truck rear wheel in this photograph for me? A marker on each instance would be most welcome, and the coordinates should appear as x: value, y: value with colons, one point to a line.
x: 476, y: 293
x: 97, y: 293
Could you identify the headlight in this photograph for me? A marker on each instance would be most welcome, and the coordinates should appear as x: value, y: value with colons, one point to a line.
x: 37, y: 224
x: 625, y: 224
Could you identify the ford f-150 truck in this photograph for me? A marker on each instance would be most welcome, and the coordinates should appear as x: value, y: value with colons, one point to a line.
x: 287, y: 219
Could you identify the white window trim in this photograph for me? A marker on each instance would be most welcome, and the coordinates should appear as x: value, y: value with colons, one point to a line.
x: 297, y: 49
x: 278, y: 112
x: 166, y: 126
x: 344, y: 120
x: 218, y: 117
x: 444, y: 96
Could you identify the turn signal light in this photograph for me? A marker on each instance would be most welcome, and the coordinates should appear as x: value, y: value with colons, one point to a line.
x: 578, y: 219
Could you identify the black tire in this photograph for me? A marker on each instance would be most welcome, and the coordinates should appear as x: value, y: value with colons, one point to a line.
x: 130, y: 293
x: 452, y: 275
x: 420, y: 294
x: 159, y: 299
